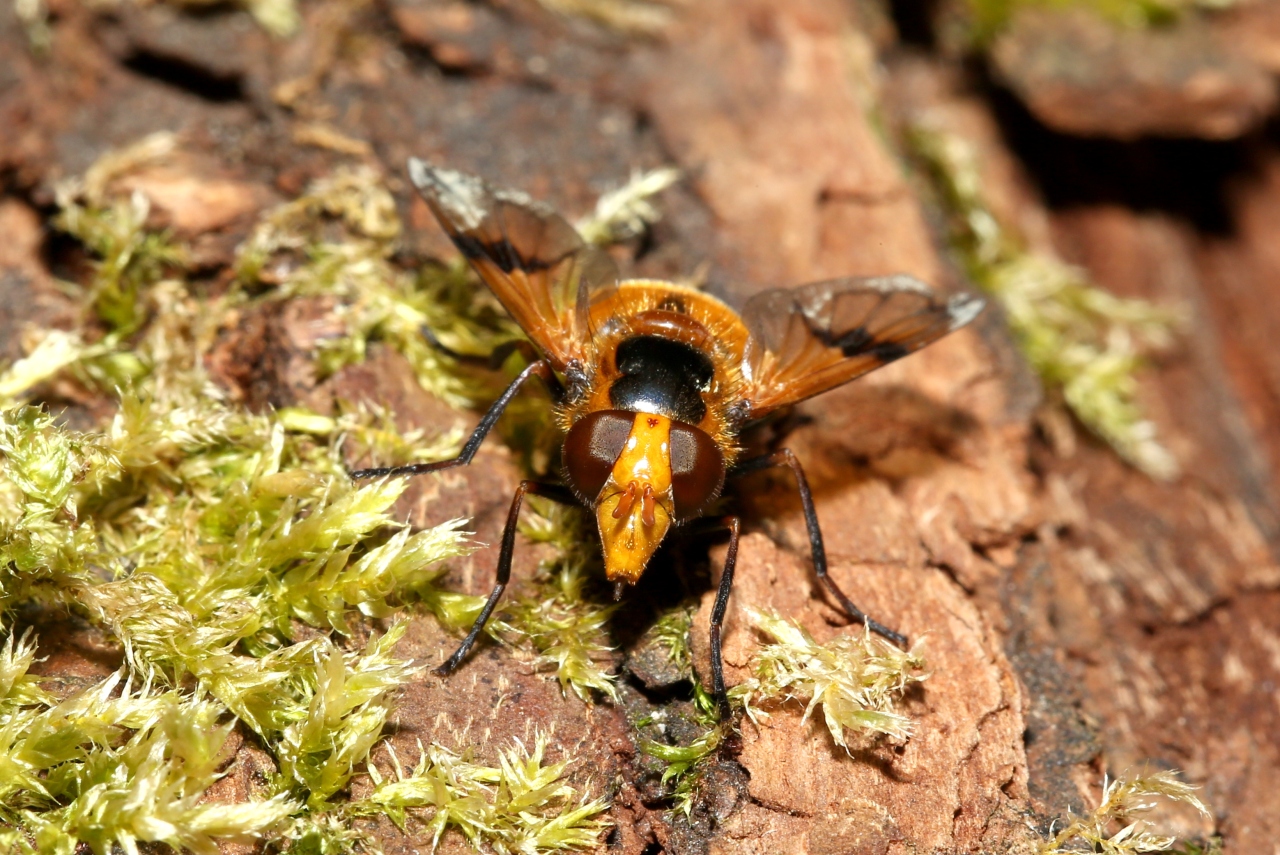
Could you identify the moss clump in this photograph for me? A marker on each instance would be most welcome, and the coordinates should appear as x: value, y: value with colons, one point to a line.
x: 561, y: 623
x: 230, y: 555
x: 337, y: 240
x: 129, y: 256
x: 54, y: 351
x: 1117, y: 827
x: 856, y: 680
x: 116, y: 765
x: 624, y: 213
x: 520, y: 806
x: 1084, y: 342
x: 672, y: 631
x: 684, y: 763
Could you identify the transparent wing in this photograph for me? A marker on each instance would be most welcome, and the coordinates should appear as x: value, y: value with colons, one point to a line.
x: 809, y: 339
x: 541, y: 270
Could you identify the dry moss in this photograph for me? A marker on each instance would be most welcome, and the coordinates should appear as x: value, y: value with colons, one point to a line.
x: 1117, y: 825
x: 856, y: 680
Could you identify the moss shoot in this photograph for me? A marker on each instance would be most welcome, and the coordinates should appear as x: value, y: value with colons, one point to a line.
x: 856, y: 680
x: 1118, y: 826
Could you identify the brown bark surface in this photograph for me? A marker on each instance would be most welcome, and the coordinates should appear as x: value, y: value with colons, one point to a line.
x: 1079, y: 618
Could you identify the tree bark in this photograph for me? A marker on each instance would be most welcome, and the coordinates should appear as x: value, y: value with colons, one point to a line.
x: 1078, y: 617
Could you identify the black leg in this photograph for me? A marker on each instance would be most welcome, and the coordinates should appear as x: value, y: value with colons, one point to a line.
x: 541, y: 369
x: 786, y: 458
x: 551, y: 491
x: 717, y: 617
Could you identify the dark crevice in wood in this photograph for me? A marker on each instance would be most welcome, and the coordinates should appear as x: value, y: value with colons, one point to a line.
x: 1187, y: 179
x: 192, y: 79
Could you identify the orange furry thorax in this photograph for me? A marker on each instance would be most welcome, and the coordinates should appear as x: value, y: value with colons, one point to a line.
x: 654, y: 307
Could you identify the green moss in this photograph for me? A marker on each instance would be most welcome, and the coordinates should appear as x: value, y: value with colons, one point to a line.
x: 18, y: 689
x: 34, y: 17
x: 1117, y: 825
x: 207, y: 539
x: 336, y: 240
x: 560, y: 622
x: 684, y: 763
x: 522, y: 805
x: 1085, y: 343
x: 116, y: 765
x: 855, y: 680
x: 55, y: 351
x: 338, y: 716
x: 129, y: 256
x: 624, y: 213
x: 989, y: 17
x: 672, y: 631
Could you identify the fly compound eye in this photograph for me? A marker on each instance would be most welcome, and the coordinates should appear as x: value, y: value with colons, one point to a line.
x: 697, y: 470
x: 592, y: 448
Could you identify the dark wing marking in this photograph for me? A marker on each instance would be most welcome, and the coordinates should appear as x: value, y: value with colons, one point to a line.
x: 534, y: 261
x: 807, y: 340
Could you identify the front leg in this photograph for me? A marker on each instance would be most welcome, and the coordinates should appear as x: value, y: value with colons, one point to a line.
x: 551, y: 491
x: 541, y: 369
x: 786, y: 458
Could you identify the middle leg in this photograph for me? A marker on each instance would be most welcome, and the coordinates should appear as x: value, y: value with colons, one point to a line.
x: 786, y: 458
x: 734, y: 524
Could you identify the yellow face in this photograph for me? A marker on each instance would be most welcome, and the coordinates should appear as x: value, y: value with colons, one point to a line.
x: 636, y: 504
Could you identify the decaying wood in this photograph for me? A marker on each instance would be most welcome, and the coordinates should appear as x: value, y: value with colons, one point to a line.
x: 1078, y: 618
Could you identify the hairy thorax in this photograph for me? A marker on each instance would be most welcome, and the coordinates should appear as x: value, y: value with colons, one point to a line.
x: 667, y: 349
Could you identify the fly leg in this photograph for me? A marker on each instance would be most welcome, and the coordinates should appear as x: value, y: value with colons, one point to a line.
x: 541, y: 369
x: 734, y: 524
x: 819, y: 552
x: 537, y: 488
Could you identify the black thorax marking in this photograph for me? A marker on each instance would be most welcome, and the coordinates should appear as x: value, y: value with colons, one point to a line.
x: 663, y: 377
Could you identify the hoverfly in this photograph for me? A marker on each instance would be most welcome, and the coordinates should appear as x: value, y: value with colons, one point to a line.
x: 653, y: 382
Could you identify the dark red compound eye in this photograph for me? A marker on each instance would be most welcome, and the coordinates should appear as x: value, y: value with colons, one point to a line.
x: 697, y: 470
x: 592, y: 448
